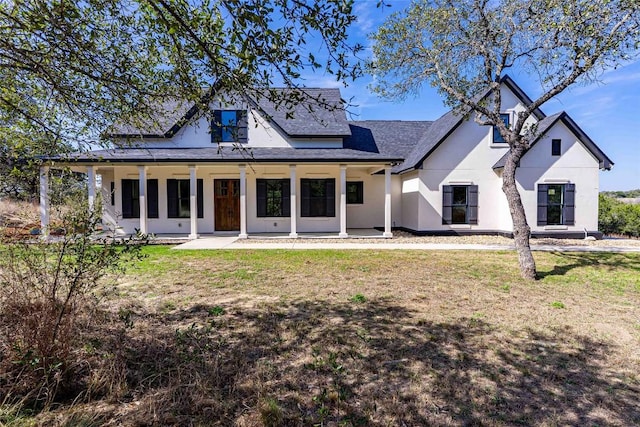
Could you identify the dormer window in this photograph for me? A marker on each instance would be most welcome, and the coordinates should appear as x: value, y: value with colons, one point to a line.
x: 497, y: 138
x: 229, y: 126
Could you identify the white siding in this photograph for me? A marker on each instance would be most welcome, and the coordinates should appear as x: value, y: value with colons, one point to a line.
x: 467, y: 157
x: 261, y: 133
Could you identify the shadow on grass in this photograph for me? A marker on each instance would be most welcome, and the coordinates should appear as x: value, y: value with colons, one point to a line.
x: 368, y: 363
x: 604, y: 261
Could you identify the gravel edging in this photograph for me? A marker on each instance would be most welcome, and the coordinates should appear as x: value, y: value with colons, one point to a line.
x: 407, y: 238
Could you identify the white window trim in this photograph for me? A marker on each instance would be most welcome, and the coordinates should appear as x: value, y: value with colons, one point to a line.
x: 556, y: 227
x: 461, y: 226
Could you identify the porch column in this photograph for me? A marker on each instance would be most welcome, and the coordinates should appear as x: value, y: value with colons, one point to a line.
x: 387, y: 201
x: 292, y: 198
x: 91, y: 186
x: 243, y: 202
x: 142, y: 180
x: 193, y: 202
x: 343, y: 201
x: 44, y: 201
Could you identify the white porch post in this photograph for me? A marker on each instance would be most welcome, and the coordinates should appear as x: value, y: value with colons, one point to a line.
x: 142, y: 180
x: 343, y: 201
x: 193, y: 202
x: 387, y: 201
x: 294, y: 206
x: 91, y: 186
x: 44, y: 201
x: 243, y: 202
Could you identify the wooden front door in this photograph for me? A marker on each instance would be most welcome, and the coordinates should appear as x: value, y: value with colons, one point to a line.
x: 227, y: 204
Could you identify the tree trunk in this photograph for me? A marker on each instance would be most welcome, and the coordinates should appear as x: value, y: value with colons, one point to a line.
x: 521, y: 229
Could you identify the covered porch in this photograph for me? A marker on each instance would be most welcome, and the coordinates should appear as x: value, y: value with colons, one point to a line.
x: 273, y: 200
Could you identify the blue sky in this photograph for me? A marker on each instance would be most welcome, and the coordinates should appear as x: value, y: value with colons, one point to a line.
x: 609, y: 112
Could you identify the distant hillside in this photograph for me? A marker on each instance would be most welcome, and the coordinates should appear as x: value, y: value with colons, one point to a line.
x: 631, y: 194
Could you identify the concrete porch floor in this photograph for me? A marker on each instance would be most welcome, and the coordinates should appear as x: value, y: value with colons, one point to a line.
x: 222, y: 240
x: 353, y: 233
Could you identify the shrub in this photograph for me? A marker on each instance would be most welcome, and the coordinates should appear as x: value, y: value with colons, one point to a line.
x: 615, y: 217
x: 45, y: 287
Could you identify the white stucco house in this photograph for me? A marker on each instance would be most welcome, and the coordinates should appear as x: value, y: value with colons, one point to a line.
x: 318, y: 172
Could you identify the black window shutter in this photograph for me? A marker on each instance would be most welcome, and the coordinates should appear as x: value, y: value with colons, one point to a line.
x: 199, y: 198
x: 447, y: 200
x: 152, y: 198
x: 305, y: 203
x: 330, y: 188
x: 261, y: 187
x: 472, y: 214
x: 542, y: 204
x: 242, y: 124
x: 216, y: 127
x: 127, y: 194
x: 569, y: 204
x: 172, y: 198
x: 112, y: 189
x: 286, y: 197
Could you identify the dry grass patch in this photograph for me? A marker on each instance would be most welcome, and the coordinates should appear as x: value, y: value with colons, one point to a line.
x: 347, y: 338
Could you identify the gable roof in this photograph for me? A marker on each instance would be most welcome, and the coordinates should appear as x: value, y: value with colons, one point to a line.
x: 322, y: 116
x: 167, y: 121
x: 449, y: 122
x: 546, y: 124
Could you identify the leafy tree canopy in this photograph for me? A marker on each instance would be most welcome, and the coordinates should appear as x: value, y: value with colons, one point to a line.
x: 71, y: 69
x: 465, y: 47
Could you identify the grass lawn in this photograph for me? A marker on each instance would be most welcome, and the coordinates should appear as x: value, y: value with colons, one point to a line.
x: 383, y: 338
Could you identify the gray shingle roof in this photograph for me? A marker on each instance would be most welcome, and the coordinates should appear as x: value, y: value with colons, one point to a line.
x: 547, y: 123
x: 408, y: 143
x: 438, y: 132
x: 321, y: 115
x: 168, y: 117
x: 229, y: 154
x: 390, y: 137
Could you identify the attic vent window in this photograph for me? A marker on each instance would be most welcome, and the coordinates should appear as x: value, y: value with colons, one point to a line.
x: 229, y: 126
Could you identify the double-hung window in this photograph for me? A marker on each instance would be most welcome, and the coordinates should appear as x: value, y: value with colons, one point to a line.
x: 179, y: 198
x: 556, y: 204
x: 318, y: 197
x: 131, y: 198
x: 460, y: 204
x: 273, y: 197
x: 355, y: 192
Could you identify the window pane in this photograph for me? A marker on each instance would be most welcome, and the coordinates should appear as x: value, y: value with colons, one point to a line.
x: 459, y: 195
x: 554, y: 215
x: 554, y: 194
x: 274, y: 197
x: 184, y: 202
x: 459, y: 214
x: 555, y: 202
x: 317, y: 199
x: 355, y: 192
x: 497, y: 137
x: 229, y: 124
